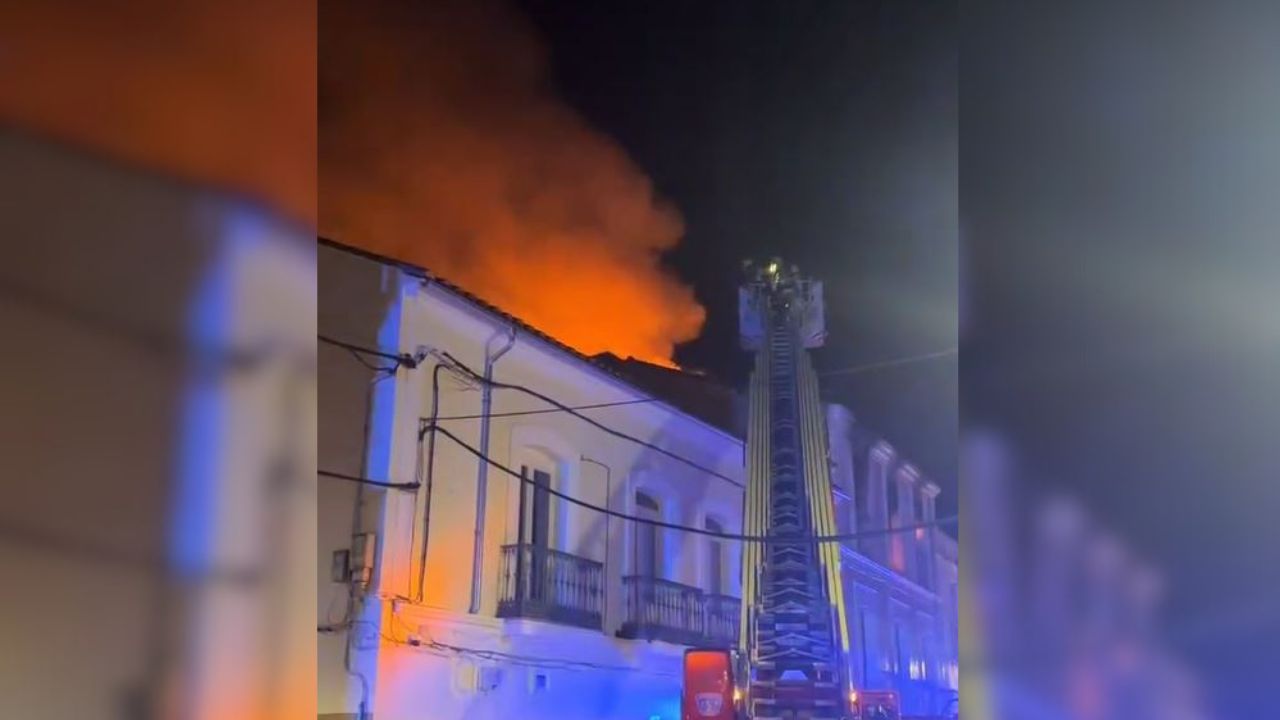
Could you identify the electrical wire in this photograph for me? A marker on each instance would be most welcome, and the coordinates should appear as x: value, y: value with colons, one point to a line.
x: 458, y: 366
x: 805, y: 540
x: 358, y: 357
x: 151, y: 341
x: 592, y: 421
x: 543, y: 411
x: 94, y: 553
x: 383, y: 369
x: 367, y: 481
x: 154, y: 343
x: 429, y: 644
x: 403, y: 359
x: 889, y: 363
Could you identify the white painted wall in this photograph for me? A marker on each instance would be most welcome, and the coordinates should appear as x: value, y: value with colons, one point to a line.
x: 555, y: 443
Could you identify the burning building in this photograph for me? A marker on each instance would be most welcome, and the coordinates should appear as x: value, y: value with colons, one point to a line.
x: 480, y: 484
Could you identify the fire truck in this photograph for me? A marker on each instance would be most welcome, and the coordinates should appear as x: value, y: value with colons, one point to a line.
x: 712, y: 691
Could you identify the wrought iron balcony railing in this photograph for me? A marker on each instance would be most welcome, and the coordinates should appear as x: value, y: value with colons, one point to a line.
x: 546, y: 584
x: 659, y: 609
x: 723, y: 619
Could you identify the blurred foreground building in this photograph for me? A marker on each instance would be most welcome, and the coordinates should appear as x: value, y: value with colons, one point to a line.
x: 158, y: 435
x: 1062, y: 618
x: 447, y: 592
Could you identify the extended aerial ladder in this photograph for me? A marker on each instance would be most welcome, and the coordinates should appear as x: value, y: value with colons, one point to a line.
x: 791, y: 659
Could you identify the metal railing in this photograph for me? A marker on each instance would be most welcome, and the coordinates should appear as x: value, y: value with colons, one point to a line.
x: 658, y: 609
x: 724, y: 614
x: 546, y: 584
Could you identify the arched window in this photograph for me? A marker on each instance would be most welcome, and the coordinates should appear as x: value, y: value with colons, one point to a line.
x: 647, y: 550
x: 716, y: 562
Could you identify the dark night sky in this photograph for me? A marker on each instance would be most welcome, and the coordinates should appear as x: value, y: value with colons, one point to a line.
x: 824, y: 132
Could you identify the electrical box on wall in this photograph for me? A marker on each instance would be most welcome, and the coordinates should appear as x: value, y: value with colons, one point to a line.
x: 340, y: 567
x: 361, y: 560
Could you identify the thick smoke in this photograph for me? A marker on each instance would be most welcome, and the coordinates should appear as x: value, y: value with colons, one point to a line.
x: 442, y: 144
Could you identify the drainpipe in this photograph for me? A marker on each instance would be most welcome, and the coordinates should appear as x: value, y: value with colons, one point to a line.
x: 431, y: 466
x: 608, y: 499
x: 482, y: 474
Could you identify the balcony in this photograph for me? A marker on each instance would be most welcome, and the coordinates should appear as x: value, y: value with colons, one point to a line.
x: 545, y: 584
x: 659, y: 609
x: 723, y: 619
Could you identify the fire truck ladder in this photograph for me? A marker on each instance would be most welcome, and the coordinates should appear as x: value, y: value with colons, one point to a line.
x: 795, y: 638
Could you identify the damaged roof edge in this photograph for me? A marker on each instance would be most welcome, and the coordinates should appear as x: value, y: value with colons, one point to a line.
x: 595, y: 363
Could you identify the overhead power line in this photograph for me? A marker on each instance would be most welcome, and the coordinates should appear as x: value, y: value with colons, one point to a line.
x: 366, y: 481
x: 557, y: 406
x: 843, y: 537
x: 543, y: 411
x: 592, y: 421
x: 868, y: 367
x: 403, y: 359
x: 456, y: 365
x: 383, y: 369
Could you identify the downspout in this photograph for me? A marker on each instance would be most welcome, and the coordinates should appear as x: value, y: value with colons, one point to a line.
x: 482, y: 473
x: 429, y: 430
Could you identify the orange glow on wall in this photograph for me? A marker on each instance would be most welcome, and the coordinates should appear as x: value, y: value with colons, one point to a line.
x: 440, y: 145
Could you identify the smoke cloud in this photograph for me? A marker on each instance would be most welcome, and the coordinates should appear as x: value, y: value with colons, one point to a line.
x: 442, y: 144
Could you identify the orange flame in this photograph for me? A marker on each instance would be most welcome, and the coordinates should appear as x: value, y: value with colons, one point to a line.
x: 440, y: 145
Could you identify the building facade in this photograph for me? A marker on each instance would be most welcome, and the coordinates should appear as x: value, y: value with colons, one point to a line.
x: 901, y: 586
x: 1050, y: 581
x: 181, y: 518
x: 484, y: 575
